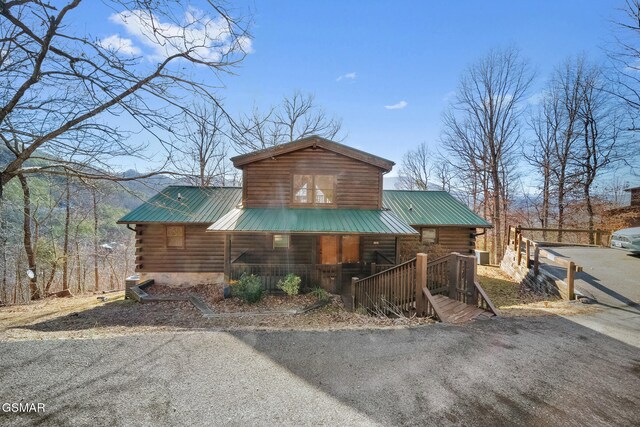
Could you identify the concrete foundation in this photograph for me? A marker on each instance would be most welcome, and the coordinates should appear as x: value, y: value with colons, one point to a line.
x: 182, y: 279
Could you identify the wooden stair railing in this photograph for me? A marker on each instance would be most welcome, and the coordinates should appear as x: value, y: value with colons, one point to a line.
x: 445, y: 288
x: 394, y: 286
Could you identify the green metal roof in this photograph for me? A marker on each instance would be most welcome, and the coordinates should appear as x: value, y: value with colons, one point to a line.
x: 185, y: 204
x: 209, y: 204
x: 301, y: 220
x: 431, y: 208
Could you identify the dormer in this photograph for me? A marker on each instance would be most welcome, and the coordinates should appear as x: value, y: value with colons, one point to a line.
x: 312, y: 172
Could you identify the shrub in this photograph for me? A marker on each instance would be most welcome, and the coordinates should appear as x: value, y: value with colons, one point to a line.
x: 320, y: 293
x: 290, y: 284
x: 248, y: 289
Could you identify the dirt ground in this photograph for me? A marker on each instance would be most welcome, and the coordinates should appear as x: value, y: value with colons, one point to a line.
x: 511, y: 300
x: 88, y: 317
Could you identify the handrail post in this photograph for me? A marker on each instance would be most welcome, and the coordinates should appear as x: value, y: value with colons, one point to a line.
x: 519, y: 249
x: 353, y: 293
x: 421, y: 282
x: 453, y: 276
x: 571, y: 272
x: 536, y: 260
x: 527, y: 252
x: 470, y: 273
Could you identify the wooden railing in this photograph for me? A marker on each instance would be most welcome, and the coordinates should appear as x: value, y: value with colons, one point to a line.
x: 438, y: 277
x: 311, y: 275
x: 527, y: 248
x: 410, y: 286
x: 377, y: 268
x: 393, y: 287
x: 561, y: 236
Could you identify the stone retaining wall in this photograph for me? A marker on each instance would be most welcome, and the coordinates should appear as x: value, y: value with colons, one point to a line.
x: 543, y: 283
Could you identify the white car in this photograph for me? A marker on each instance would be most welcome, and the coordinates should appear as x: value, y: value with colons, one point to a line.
x: 627, y: 239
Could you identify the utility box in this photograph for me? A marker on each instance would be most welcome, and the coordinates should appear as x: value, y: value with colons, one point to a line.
x: 129, y: 282
x: 482, y: 257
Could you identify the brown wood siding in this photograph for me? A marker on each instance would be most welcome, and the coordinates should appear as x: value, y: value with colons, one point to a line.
x: 635, y: 197
x: 267, y: 183
x: 386, y: 246
x: 450, y: 239
x: 203, y: 252
x: 456, y: 239
x: 258, y: 249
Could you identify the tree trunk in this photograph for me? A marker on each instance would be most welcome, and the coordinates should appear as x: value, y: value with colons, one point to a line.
x: 561, y: 190
x: 497, y: 220
x: 52, y: 275
x: 96, y: 274
x: 545, y: 201
x: 3, y: 247
x: 65, y: 247
x: 26, y: 228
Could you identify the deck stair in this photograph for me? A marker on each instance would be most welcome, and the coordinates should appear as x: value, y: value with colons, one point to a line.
x: 445, y: 288
x: 449, y: 310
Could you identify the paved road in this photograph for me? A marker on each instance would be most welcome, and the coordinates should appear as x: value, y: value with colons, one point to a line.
x: 610, y: 276
x: 538, y: 371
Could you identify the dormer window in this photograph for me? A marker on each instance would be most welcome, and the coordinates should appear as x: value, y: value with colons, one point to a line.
x: 314, y: 189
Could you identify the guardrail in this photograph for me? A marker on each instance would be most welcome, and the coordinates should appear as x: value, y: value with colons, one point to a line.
x: 525, y: 248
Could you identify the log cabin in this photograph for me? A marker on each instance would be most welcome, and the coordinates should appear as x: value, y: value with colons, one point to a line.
x: 312, y: 207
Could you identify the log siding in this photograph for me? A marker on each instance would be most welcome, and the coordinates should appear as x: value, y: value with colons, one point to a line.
x: 202, y: 252
x: 268, y: 182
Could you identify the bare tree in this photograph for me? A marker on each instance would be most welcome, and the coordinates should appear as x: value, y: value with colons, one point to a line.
x: 444, y: 172
x: 539, y: 154
x: 295, y: 117
x: 625, y: 56
x: 205, y: 146
x: 601, y: 127
x: 483, y: 124
x: 58, y: 86
x: 27, y: 237
x: 415, y: 169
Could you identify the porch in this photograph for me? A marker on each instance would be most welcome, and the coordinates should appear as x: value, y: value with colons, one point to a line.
x: 334, y: 278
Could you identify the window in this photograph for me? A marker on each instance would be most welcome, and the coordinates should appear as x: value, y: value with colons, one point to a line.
x: 429, y: 235
x: 350, y: 249
x: 314, y: 189
x: 280, y: 241
x: 175, y: 236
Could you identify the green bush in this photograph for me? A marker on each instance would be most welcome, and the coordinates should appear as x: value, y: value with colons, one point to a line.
x: 320, y: 293
x: 290, y: 284
x: 249, y: 289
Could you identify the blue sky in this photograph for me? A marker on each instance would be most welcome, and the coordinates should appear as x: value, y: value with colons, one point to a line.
x: 410, y: 53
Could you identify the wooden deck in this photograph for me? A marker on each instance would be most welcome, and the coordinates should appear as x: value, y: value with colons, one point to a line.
x: 452, y: 311
x: 445, y: 288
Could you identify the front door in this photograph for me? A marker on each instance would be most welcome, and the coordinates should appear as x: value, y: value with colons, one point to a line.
x: 329, y: 270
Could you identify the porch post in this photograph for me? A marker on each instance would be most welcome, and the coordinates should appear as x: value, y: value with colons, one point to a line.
x: 227, y: 256
x: 421, y: 282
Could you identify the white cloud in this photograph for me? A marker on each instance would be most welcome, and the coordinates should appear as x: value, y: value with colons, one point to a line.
x: 348, y: 76
x: 537, y: 98
x: 449, y: 96
x: 205, y: 38
x: 398, y: 106
x: 120, y: 45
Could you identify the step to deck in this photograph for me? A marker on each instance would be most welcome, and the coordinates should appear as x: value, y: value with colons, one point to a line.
x: 452, y: 311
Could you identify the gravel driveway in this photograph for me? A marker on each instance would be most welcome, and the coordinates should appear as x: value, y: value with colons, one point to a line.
x: 610, y: 276
x: 528, y: 371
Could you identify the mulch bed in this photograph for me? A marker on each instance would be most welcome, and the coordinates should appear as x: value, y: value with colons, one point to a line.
x: 211, y: 296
